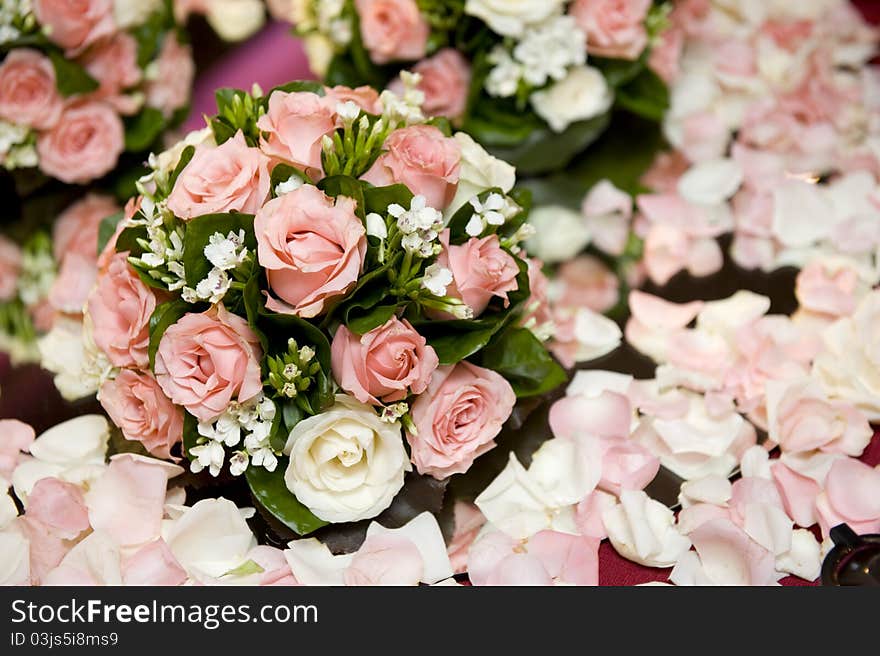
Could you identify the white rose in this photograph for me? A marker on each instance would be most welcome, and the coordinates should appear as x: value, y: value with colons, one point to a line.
x: 346, y: 464
x: 235, y: 20
x: 131, y: 13
x: 560, y: 233
x: 479, y: 171
x: 510, y: 17
x: 320, y: 51
x: 583, y: 94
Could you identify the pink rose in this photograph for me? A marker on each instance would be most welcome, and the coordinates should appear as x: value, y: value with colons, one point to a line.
x: 206, y: 360
x: 446, y: 79
x: 457, y: 418
x: 75, y: 24
x: 225, y: 178
x: 76, y: 230
x: 424, y: 160
x: 171, y: 89
x: 296, y: 123
x: 614, y: 28
x: 113, y: 63
x: 84, y: 145
x: 10, y: 268
x: 312, y: 248
x: 480, y: 269
x: 665, y: 57
x: 136, y: 404
x: 367, y: 98
x: 120, y: 307
x: 392, y: 30
x: 28, y: 93
x: 71, y: 288
x: 385, y: 365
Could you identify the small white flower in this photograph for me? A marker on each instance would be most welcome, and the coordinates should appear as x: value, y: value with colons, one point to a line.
x: 226, y: 252
x: 306, y: 353
x: 292, y: 183
x: 420, y: 225
x: 214, y: 287
x: 238, y: 463
x: 395, y: 411
x: 549, y: 50
x: 436, y: 279
x: 348, y: 111
x: 503, y: 80
x: 210, y: 455
x: 376, y: 226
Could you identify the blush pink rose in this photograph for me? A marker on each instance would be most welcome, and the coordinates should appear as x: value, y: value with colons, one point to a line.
x: 393, y: 30
x: 225, y: 178
x: 10, y: 268
x: 384, y: 365
x: 75, y: 24
x: 312, y: 248
x: 76, y: 230
x: 481, y: 270
x: 136, y: 404
x: 446, y: 78
x: 207, y: 360
x: 71, y: 288
x: 367, y: 98
x: 457, y: 418
x: 84, y: 145
x: 113, y: 63
x: 424, y: 160
x: 120, y: 307
x: 176, y: 69
x: 614, y: 28
x: 295, y: 124
x: 28, y: 93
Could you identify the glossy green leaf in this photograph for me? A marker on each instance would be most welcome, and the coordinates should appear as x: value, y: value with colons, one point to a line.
x: 375, y: 317
x: 163, y: 317
x: 269, y: 490
x: 646, y: 95
x: 377, y: 199
x: 142, y: 130
x: 524, y: 361
x: 71, y: 78
x: 107, y: 229
x: 343, y: 185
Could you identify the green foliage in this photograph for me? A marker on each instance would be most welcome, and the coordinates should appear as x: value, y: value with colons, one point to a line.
x: 270, y: 491
x: 198, y: 233
x: 163, y: 317
x: 107, y: 229
x: 524, y: 361
x: 143, y: 129
x: 71, y: 78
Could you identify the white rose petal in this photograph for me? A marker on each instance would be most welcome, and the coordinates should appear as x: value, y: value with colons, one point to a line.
x: 804, y: 559
x: 712, y: 489
x: 15, y: 564
x: 643, y: 530
x: 376, y: 226
x: 512, y: 17
x: 312, y: 563
x: 560, y: 233
x: 711, y: 182
x: 235, y: 20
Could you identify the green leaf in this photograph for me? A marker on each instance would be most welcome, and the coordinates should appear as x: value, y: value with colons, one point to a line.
x: 190, y: 433
x: 128, y: 240
x: 524, y: 361
x: 245, y: 569
x: 378, y: 316
x: 71, y: 78
x: 270, y: 491
x: 185, y: 157
x: 292, y: 415
x: 222, y: 130
x: 377, y: 199
x: 618, y: 72
x: 542, y: 150
x: 456, y: 345
x: 299, y: 86
x: 163, y: 317
x: 151, y: 34
x: 646, y: 95
x: 200, y: 230
x: 343, y: 185
x: 141, y: 131
x: 107, y: 229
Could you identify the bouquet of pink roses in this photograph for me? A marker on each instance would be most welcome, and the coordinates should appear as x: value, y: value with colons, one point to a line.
x: 319, y: 291
x: 515, y: 76
x: 81, y: 84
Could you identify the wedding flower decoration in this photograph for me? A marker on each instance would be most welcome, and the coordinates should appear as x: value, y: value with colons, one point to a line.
x: 533, y: 81
x: 295, y: 299
x: 82, y: 85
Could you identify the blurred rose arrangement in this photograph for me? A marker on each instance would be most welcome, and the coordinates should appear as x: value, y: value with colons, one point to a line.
x: 83, y: 83
x: 534, y: 81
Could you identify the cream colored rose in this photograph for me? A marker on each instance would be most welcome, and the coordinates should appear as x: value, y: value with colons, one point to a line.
x: 346, y: 464
x: 583, y: 94
x: 131, y: 13
x: 511, y: 17
x: 479, y: 172
x: 235, y: 20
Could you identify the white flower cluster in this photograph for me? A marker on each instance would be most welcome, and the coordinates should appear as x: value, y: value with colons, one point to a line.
x: 324, y: 17
x: 163, y: 249
x: 494, y: 211
x: 420, y: 225
x: 405, y: 109
x: 38, y: 272
x: 546, y: 52
x: 225, y: 253
x: 16, y: 149
x: 13, y: 15
x: 436, y: 279
x: 255, y: 421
